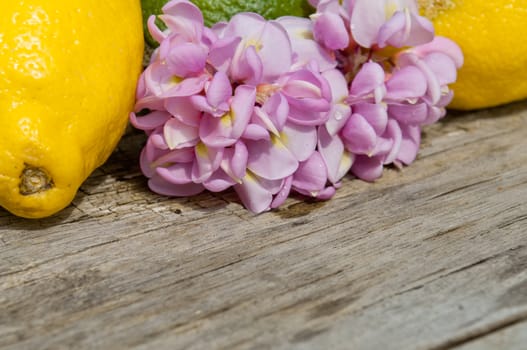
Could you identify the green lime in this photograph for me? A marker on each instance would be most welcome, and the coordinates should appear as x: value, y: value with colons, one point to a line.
x: 222, y: 10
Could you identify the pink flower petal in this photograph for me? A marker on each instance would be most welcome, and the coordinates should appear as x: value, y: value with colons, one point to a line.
x: 270, y: 39
x: 304, y: 84
x: 187, y: 59
x: 375, y: 114
x: 183, y: 110
x: 186, y: 87
x: 154, y: 30
x: 383, y: 147
x: 408, y: 113
x: 301, y: 140
x: 306, y: 49
x: 208, y: 160
x: 330, y: 31
x: 179, y: 135
x: 158, y: 139
x: 421, y: 30
x: 393, y: 132
x: 270, y: 159
x: 201, y: 104
x: 367, y: 168
x: 443, y: 45
x: 149, y: 102
x: 161, y: 186
x: 366, y: 19
x: 238, y: 161
x: 358, y: 135
x: 337, y: 117
x: 183, y: 17
x: 234, y: 161
x: 179, y: 173
x: 208, y: 37
x: 405, y: 28
x: 145, y: 161
x: 340, y: 111
x: 338, y: 84
x: 247, y: 66
x: 311, y: 175
x: 256, y: 132
x: 216, y: 132
x: 338, y: 161
x: 277, y: 109
x: 255, y: 193
x: 160, y: 82
x: 369, y: 78
x: 307, y: 117
x: 406, y: 83
x: 219, y: 90
x: 443, y: 67
x: 327, y: 193
x: 411, y: 139
x: 242, y: 107
x: 276, y: 48
x: 434, y: 114
x: 261, y: 118
x: 392, y: 32
x: 222, y: 52
x: 283, y: 193
x: 433, y: 92
x: 150, y: 121
x: 218, y: 181
x: 183, y: 155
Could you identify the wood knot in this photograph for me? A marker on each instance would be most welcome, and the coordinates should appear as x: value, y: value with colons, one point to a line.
x: 34, y: 180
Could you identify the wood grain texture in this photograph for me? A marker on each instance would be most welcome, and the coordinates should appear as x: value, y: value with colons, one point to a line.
x: 430, y: 257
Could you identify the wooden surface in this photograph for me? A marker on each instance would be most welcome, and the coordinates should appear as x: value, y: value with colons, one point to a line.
x: 430, y: 257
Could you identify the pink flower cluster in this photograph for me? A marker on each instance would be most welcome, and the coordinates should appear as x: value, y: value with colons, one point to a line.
x: 293, y: 104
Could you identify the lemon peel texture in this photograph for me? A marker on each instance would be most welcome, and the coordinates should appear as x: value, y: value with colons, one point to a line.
x: 491, y: 36
x: 68, y: 72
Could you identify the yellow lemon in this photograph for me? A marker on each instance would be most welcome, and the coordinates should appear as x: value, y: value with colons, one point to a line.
x: 68, y: 71
x: 491, y: 34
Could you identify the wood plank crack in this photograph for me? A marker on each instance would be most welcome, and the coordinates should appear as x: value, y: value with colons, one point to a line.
x: 41, y: 263
x: 467, y: 143
x: 482, y: 330
x: 442, y: 276
x: 464, y: 187
x: 512, y: 221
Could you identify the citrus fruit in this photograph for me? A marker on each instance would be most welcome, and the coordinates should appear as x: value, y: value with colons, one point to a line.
x: 222, y: 10
x: 68, y: 71
x: 491, y: 35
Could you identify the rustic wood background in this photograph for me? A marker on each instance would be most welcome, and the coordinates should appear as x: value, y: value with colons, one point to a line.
x: 430, y: 257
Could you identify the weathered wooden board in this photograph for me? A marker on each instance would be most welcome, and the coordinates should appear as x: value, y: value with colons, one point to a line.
x: 512, y: 337
x: 430, y: 257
